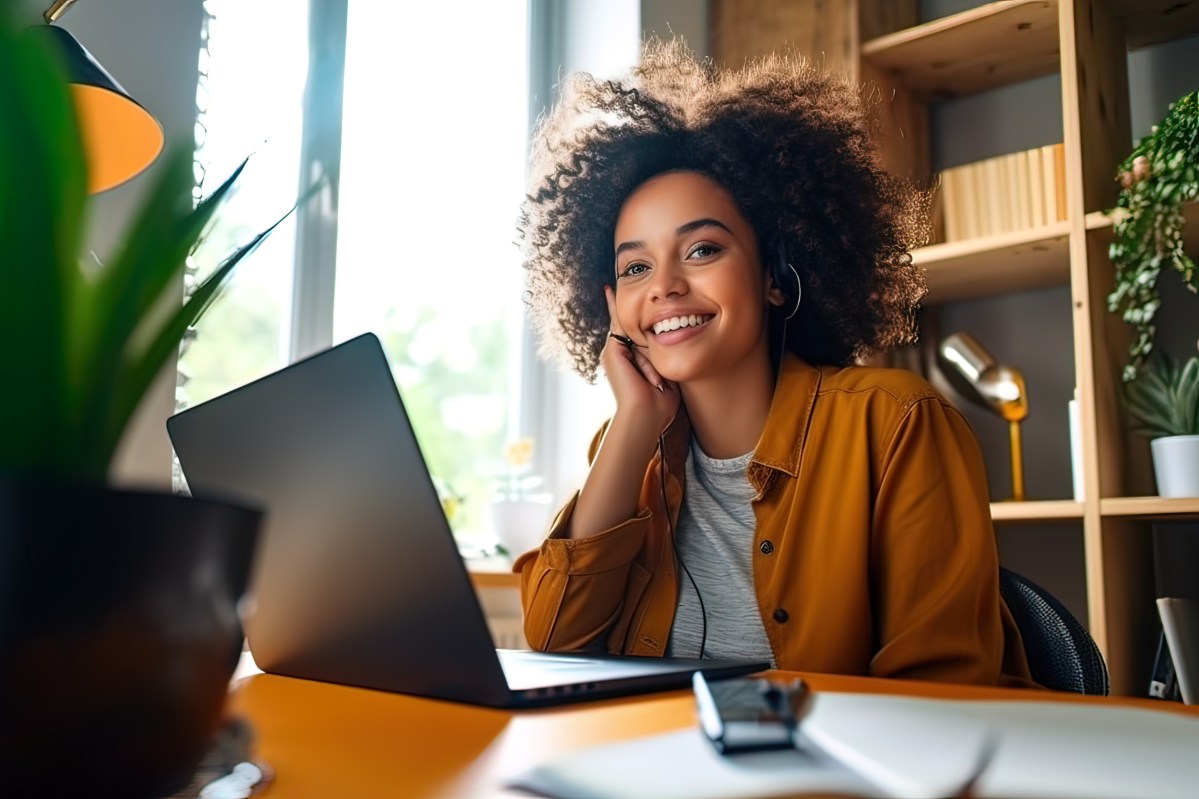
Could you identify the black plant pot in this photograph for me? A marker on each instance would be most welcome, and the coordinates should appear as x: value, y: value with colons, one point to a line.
x: 118, y: 635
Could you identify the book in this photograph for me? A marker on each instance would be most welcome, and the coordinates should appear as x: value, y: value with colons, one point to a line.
x: 1002, y: 194
x: 951, y: 214
x: 897, y: 746
x: 1036, y: 187
x: 993, y: 200
x: 1059, y: 173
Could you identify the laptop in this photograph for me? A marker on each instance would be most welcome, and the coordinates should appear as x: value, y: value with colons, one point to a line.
x: 358, y: 579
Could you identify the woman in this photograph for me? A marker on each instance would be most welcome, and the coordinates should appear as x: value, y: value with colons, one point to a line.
x: 727, y: 248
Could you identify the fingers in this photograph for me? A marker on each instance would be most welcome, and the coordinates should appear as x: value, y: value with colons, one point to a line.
x: 614, y: 323
x: 647, y: 369
x: 631, y: 350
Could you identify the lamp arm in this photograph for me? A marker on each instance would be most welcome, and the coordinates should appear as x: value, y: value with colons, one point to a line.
x: 57, y: 9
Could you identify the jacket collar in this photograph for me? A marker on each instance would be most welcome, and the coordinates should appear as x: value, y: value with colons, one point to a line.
x: 781, y: 445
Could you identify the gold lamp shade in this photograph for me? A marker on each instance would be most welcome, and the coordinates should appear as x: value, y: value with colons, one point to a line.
x: 120, y: 137
x: 996, y: 386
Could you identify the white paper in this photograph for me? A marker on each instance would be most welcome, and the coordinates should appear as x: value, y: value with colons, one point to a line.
x: 684, y: 765
x: 908, y: 747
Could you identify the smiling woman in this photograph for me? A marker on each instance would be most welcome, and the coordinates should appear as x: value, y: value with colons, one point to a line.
x: 726, y: 247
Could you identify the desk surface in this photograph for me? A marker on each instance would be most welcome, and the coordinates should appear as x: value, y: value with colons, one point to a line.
x: 326, y: 740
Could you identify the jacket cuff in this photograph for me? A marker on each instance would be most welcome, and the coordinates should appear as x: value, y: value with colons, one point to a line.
x: 611, y: 549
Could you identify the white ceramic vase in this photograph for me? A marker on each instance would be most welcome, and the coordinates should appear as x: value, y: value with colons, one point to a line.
x: 1176, y: 465
x: 520, y: 522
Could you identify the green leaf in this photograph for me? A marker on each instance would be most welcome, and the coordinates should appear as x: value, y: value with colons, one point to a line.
x: 128, y: 289
x: 139, y: 368
x: 43, y: 179
x: 1187, y: 393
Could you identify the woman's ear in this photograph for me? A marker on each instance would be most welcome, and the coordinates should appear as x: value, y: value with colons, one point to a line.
x: 774, y: 295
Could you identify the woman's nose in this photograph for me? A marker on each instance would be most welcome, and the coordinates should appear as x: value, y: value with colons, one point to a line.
x: 668, y: 281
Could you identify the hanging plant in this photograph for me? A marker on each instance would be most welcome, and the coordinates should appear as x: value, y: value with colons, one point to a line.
x: 1157, y: 178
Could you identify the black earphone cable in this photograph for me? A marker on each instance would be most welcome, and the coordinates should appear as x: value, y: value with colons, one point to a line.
x: 703, y: 613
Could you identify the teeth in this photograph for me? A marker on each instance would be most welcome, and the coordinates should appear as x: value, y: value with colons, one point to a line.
x: 675, y: 322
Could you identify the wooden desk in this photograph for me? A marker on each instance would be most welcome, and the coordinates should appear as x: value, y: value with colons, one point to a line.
x: 329, y: 741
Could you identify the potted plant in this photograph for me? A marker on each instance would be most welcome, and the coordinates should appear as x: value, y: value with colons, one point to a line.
x: 118, y: 628
x: 1164, y: 404
x: 1157, y: 179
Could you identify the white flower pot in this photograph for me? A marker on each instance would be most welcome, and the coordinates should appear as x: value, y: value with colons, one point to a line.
x: 1176, y: 465
x: 520, y: 524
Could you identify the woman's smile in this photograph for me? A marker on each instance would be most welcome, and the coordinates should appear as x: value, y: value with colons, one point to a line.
x: 686, y: 323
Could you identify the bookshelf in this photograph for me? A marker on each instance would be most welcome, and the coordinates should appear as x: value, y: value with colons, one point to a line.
x: 916, y: 65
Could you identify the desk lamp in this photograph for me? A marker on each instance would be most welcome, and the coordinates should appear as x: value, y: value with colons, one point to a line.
x: 120, y: 137
x: 996, y: 386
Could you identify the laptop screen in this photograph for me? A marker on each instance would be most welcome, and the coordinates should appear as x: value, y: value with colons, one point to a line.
x: 359, y: 579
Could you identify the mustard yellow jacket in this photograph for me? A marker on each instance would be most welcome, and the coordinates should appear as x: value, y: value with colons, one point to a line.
x: 874, y: 548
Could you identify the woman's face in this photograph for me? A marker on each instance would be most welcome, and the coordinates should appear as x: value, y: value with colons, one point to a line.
x: 689, y: 281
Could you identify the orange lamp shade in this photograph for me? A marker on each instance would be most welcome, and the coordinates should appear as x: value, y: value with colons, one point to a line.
x: 120, y: 137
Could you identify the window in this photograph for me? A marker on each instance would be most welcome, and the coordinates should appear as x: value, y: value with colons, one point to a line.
x: 433, y: 134
x: 434, y: 138
x: 247, y: 105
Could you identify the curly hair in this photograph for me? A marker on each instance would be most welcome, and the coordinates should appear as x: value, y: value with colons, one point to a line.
x: 789, y: 143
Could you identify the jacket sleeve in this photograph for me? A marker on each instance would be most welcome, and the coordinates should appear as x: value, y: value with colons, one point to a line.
x: 572, y: 590
x: 934, y: 561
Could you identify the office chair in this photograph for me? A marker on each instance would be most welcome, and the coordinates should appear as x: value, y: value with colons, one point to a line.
x: 1061, y: 653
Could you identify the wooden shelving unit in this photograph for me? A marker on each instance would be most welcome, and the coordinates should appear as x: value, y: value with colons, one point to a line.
x: 1085, y: 42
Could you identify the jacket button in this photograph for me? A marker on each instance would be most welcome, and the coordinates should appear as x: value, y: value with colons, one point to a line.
x: 781, y: 616
x: 766, y: 547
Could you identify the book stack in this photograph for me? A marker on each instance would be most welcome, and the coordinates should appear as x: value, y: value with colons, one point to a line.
x: 1009, y: 192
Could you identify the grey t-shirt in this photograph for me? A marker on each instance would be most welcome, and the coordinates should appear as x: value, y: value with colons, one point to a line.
x: 715, y: 543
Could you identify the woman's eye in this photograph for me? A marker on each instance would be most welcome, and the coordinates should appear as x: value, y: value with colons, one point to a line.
x: 703, y: 251
x: 634, y: 269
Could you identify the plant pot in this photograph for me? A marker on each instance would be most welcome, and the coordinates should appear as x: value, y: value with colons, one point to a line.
x: 118, y: 635
x: 1176, y: 465
x: 520, y: 523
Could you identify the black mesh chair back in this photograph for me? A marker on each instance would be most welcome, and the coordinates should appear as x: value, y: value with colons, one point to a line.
x: 1061, y: 653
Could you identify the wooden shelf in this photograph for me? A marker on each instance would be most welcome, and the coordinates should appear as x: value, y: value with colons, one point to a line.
x: 994, y: 45
x: 1147, y: 22
x: 1021, y: 260
x: 1036, y: 511
x: 1150, y: 508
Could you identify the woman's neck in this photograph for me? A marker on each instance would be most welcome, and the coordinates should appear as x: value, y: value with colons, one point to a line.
x: 728, y: 412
